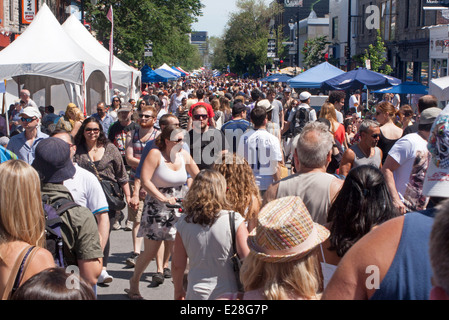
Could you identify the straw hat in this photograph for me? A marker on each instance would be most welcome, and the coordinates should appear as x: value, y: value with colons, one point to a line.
x: 285, y: 231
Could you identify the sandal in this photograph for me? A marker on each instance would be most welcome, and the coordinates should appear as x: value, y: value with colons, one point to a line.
x: 133, y: 296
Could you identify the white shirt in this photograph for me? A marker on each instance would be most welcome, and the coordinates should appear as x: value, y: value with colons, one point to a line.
x: 312, y: 114
x: 86, y: 190
x: 353, y: 100
x: 405, y: 151
x: 263, y: 152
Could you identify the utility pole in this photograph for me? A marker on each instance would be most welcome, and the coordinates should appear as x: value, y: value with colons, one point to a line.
x: 349, y: 34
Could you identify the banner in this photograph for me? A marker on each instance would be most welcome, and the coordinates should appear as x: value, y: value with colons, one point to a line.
x: 28, y: 11
x: 435, y: 4
x: 293, y: 3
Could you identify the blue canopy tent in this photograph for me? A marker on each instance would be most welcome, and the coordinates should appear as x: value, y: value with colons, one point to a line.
x: 314, y: 77
x: 277, y: 78
x: 183, y: 74
x: 410, y: 87
x: 149, y: 75
x: 360, y: 78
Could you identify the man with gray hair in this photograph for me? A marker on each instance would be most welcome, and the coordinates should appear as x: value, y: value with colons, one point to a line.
x: 317, y: 188
x: 366, y: 151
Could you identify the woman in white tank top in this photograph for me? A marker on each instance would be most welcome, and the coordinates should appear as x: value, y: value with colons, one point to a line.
x: 164, y: 177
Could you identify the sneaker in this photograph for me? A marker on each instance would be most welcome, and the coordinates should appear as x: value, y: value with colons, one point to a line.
x: 131, y: 261
x: 167, y: 273
x: 104, y: 277
x: 129, y: 226
x: 158, y: 278
x: 116, y: 226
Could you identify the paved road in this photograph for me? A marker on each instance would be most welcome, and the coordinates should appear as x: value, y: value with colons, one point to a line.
x: 121, y: 246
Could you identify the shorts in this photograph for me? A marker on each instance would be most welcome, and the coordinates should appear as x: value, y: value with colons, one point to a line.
x: 136, y: 216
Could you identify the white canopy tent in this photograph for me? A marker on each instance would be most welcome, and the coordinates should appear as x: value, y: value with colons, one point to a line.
x: 124, y: 77
x: 45, y: 57
x: 439, y: 87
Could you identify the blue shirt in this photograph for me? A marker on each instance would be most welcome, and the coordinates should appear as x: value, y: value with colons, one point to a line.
x: 6, y: 155
x: 20, y: 147
x: 233, y: 130
x: 105, y: 123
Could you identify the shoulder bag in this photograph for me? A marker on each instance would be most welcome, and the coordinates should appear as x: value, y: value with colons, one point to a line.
x: 236, y: 262
x: 112, y: 190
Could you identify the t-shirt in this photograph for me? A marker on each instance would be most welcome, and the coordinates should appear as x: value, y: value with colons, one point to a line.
x: 312, y: 113
x: 206, y: 147
x: 233, y: 130
x: 117, y: 135
x: 263, y: 152
x: 86, y: 190
x: 412, y: 155
x: 275, y: 114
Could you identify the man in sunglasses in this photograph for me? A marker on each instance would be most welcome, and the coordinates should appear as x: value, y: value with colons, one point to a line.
x: 24, y: 144
x: 366, y: 151
x: 105, y: 119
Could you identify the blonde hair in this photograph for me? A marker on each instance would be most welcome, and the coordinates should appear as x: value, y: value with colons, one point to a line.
x: 284, y: 280
x: 72, y: 108
x: 215, y: 103
x: 241, y: 184
x: 206, y: 198
x: 328, y: 112
x: 21, y: 211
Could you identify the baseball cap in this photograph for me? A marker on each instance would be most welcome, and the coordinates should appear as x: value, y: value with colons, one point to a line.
x: 304, y: 96
x: 52, y: 160
x: 429, y: 115
x: 436, y: 181
x: 124, y: 109
x: 31, y: 112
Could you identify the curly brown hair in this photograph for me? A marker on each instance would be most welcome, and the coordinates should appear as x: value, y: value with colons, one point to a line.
x: 242, y: 190
x: 206, y: 198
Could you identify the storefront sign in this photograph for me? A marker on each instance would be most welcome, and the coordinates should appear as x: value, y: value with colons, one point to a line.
x: 29, y: 11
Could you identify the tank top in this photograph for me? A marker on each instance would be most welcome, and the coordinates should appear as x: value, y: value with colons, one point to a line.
x: 164, y: 177
x: 362, y: 159
x: 138, y: 146
x: 314, y: 190
x: 385, y: 145
x: 327, y: 269
x: 409, y: 276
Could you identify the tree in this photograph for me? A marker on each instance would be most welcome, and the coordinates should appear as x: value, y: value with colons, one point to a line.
x: 377, y: 55
x: 246, y: 36
x: 165, y: 23
x: 314, y: 51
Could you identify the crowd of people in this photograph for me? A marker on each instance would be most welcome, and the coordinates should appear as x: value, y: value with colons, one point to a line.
x: 336, y: 201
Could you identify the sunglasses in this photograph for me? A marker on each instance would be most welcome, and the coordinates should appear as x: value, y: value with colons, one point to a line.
x: 378, y: 113
x: 375, y: 136
x: 28, y: 120
x: 145, y: 116
x: 94, y: 130
x: 116, y: 100
x: 200, y: 116
x: 177, y: 141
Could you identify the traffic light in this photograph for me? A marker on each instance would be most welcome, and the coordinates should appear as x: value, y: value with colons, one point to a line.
x: 281, y: 62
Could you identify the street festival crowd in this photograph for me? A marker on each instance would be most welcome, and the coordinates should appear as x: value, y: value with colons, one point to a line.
x: 248, y: 191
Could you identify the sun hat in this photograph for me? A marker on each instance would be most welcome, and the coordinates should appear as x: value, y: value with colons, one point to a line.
x: 265, y: 103
x: 285, y: 231
x: 52, y: 160
x: 31, y: 112
x: 429, y: 115
x: 436, y: 181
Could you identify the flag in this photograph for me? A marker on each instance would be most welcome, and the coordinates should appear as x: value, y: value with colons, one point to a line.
x: 110, y: 17
x: 228, y: 69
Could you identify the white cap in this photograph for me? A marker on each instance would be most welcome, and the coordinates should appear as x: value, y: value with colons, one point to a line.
x: 436, y: 182
x: 31, y: 112
x: 304, y: 96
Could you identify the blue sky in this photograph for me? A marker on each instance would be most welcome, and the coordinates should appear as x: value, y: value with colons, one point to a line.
x: 216, y: 15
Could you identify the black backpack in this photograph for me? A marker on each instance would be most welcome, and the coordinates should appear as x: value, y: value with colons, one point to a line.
x: 302, y: 116
x: 53, y: 222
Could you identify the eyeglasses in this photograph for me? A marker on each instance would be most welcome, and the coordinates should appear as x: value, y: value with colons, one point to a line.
x: 28, y: 120
x: 375, y: 136
x: 94, y: 130
x: 342, y: 102
x: 200, y: 116
x: 145, y: 116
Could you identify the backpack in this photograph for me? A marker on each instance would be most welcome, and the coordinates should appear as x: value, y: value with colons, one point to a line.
x: 301, y: 118
x: 53, y: 222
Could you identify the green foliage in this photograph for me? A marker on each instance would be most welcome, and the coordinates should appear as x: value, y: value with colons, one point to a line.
x: 245, y: 41
x: 314, y: 51
x: 377, y: 55
x: 164, y: 22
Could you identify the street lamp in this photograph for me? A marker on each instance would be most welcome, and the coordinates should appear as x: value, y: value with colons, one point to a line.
x: 291, y: 25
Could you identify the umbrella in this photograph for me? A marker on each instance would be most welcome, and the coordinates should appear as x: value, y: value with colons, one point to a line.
x: 409, y: 87
x: 439, y: 87
x: 359, y: 78
x: 314, y: 77
x: 291, y: 70
x: 277, y: 78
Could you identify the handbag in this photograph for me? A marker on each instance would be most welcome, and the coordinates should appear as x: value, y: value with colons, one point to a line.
x: 113, y: 192
x: 236, y: 262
